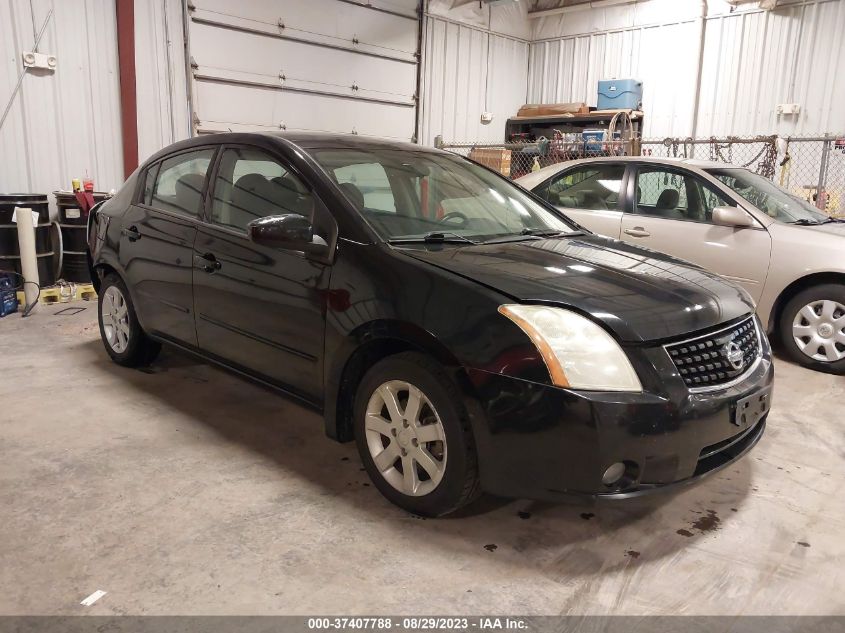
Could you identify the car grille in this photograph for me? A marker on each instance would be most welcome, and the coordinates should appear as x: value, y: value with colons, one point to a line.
x: 718, y: 358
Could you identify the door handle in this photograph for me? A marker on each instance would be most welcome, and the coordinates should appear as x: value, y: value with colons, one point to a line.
x: 208, y: 262
x: 132, y: 233
x: 637, y: 231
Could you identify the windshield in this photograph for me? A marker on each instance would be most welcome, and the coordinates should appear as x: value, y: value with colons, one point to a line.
x: 768, y: 197
x: 413, y: 195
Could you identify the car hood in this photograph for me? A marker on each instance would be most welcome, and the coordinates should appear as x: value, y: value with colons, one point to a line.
x: 638, y: 294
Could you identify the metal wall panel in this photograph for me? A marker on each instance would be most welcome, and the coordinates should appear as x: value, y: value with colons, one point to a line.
x: 753, y: 61
x: 325, y: 65
x: 467, y: 71
x: 64, y: 123
x: 569, y: 69
x: 163, y: 114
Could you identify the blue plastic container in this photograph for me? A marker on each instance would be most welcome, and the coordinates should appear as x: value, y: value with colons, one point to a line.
x: 620, y: 94
x: 8, y: 297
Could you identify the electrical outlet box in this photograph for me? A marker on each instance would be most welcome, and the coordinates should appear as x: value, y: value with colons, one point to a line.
x: 39, y: 60
x: 486, y: 117
x: 788, y: 108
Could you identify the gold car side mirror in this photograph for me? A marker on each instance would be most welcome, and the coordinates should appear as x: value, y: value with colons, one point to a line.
x: 732, y: 216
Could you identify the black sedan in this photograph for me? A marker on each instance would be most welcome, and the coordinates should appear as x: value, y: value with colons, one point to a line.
x: 467, y: 335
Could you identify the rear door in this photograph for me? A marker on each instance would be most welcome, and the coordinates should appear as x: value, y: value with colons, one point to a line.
x: 590, y: 195
x: 672, y: 212
x: 157, y: 242
x: 257, y: 307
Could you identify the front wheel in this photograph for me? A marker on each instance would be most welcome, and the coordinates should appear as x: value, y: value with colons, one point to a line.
x: 125, y: 341
x: 812, y: 328
x: 413, y: 436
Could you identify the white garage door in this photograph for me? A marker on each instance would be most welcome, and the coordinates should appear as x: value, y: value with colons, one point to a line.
x: 318, y: 65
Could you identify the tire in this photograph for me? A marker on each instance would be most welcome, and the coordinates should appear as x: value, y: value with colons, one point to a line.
x: 122, y: 336
x: 817, y: 313
x: 444, y: 445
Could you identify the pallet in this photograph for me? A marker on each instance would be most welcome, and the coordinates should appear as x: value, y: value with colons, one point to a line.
x: 63, y: 294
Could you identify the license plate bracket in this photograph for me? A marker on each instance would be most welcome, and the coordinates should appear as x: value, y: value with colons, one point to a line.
x: 749, y: 410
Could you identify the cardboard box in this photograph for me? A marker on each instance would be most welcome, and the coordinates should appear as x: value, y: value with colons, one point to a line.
x: 498, y: 159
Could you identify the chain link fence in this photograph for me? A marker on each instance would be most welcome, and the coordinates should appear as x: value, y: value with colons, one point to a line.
x: 811, y: 167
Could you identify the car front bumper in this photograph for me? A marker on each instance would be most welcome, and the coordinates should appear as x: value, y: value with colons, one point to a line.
x: 546, y: 443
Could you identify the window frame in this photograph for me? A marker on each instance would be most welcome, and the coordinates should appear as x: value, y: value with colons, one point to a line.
x: 142, y: 180
x: 206, y: 217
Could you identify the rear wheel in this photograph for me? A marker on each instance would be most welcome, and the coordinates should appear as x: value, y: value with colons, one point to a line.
x: 125, y: 341
x: 812, y: 328
x: 413, y: 436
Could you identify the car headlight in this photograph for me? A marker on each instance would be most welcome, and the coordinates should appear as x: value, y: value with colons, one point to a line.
x: 578, y: 352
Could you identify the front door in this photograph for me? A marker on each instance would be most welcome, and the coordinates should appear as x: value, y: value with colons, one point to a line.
x: 260, y: 308
x: 591, y: 195
x: 672, y: 213
x: 157, y: 244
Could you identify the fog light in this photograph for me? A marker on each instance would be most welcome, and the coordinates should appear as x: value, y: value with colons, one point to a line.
x: 613, y: 474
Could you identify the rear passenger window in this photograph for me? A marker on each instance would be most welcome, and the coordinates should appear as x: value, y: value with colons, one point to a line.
x: 592, y: 187
x: 180, y: 182
x: 251, y: 184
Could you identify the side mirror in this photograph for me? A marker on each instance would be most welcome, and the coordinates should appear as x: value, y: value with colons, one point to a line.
x: 291, y: 231
x: 731, y: 216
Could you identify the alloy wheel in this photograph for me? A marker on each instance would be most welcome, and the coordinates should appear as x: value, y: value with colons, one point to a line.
x: 819, y: 330
x: 115, y: 317
x: 405, y: 437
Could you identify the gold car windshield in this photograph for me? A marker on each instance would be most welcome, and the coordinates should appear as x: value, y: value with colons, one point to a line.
x: 768, y: 197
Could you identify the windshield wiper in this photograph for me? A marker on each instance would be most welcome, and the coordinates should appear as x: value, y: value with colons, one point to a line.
x: 433, y: 237
x: 533, y: 234
x: 550, y: 232
x: 805, y: 222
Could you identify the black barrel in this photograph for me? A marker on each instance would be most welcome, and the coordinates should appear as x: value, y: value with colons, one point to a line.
x: 35, y: 201
x: 73, y: 222
x: 9, y: 239
x: 10, y: 258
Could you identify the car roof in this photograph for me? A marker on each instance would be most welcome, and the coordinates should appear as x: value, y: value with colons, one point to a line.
x: 307, y: 141
x: 318, y: 140
x: 668, y: 160
x: 533, y: 179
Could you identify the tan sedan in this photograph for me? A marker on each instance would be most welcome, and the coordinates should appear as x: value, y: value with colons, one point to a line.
x: 788, y: 255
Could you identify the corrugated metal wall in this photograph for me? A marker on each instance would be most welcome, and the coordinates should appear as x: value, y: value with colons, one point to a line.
x: 468, y: 70
x: 569, y: 69
x: 64, y: 123
x: 753, y: 61
x: 163, y: 114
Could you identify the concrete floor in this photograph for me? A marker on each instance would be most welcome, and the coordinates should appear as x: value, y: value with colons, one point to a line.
x: 185, y: 490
